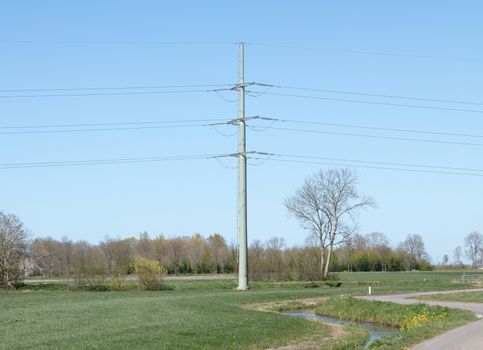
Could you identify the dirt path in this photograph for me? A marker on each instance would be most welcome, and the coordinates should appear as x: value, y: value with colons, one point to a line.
x: 467, y: 337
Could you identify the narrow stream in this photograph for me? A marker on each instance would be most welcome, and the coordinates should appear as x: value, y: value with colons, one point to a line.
x: 375, y: 331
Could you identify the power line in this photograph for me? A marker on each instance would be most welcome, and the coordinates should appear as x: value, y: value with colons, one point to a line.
x: 362, y: 52
x: 227, y: 43
x: 262, y: 128
x: 373, y: 102
x: 118, y: 42
x: 376, y: 136
x: 113, y: 129
x: 358, y: 93
x: 224, y: 98
x: 368, y: 167
x: 215, y: 127
x: 119, y: 88
x: 103, y: 129
x: 109, y: 161
x: 116, y: 93
x: 147, y: 125
x: 220, y: 121
x: 114, y: 123
x: 355, y: 126
x: 224, y: 165
x: 377, y: 162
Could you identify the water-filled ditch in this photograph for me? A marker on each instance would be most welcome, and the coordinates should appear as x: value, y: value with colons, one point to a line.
x: 375, y: 331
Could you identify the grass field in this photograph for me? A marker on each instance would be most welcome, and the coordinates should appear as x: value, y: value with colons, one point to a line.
x: 474, y: 297
x: 417, y: 322
x: 193, y: 315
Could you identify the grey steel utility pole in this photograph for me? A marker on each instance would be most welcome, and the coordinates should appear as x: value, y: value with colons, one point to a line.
x: 242, y: 186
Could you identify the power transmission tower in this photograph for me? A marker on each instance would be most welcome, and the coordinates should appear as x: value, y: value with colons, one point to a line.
x: 242, y: 186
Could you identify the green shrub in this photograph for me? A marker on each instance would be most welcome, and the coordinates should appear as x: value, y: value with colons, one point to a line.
x: 332, y: 277
x: 117, y: 284
x: 89, y: 284
x: 150, y: 274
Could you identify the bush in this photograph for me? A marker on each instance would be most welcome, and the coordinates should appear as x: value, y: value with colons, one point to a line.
x: 150, y: 274
x: 423, y: 265
x: 332, y: 276
x: 13, y: 250
x: 90, y: 284
x: 118, y: 284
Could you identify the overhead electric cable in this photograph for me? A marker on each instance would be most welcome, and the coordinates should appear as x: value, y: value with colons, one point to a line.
x: 375, y: 162
x: 109, y: 161
x: 356, y: 126
x: 215, y: 127
x: 59, y: 131
x: 118, y: 42
x: 225, y: 166
x: 224, y: 98
x: 115, y: 123
x: 368, y: 167
x: 117, y: 93
x: 358, y: 93
x: 376, y: 136
x: 374, y: 102
x: 362, y: 52
x: 119, y: 88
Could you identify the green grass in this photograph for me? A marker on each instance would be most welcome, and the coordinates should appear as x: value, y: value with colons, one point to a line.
x: 437, y: 319
x: 400, y: 276
x: 356, y: 339
x: 470, y: 297
x: 149, y: 320
x: 192, y: 315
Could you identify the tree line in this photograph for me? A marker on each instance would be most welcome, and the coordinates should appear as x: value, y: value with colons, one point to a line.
x: 473, y: 251
x: 326, y: 206
x: 178, y: 255
x: 197, y: 254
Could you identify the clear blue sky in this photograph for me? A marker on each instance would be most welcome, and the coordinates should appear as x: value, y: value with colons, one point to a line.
x: 52, y: 44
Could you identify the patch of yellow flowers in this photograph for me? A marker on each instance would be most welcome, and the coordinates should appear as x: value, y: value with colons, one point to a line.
x: 417, y: 320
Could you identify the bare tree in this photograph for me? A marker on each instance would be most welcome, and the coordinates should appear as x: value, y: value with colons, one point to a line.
x: 354, y: 243
x: 13, y: 248
x: 256, y: 247
x: 457, y: 255
x: 219, y: 251
x: 379, y: 242
x: 307, y: 207
x: 45, y: 256
x: 256, y: 256
x: 176, y: 252
x: 107, y: 247
x: 376, y: 239
x: 413, y: 246
x: 66, y: 251
x: 473, y: 244
x: 327, y: 205
x: 274, y: 257
x: 160, y: 250
x: 143, y: 246
x: 88, y: 260
x: 196, y: 248
x: 445, y: 260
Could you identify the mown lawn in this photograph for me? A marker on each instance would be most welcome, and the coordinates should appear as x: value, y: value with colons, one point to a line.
x: 194, y: 315
x: 467, y: 297
x: 149, y: 320
x: 404, y: 276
